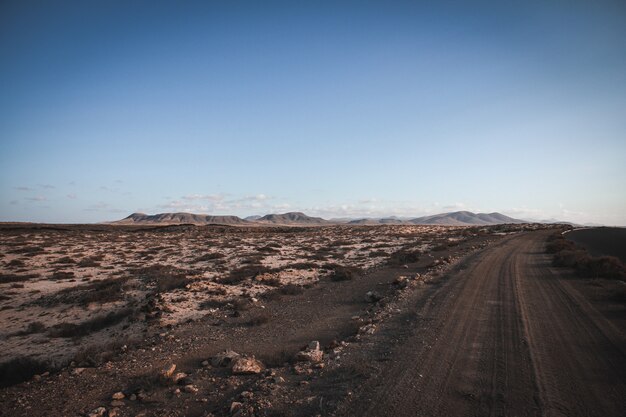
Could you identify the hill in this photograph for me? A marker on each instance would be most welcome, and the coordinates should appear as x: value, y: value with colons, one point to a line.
x: 465, y: 218
x: 181, y: 218
x: 292, y: 218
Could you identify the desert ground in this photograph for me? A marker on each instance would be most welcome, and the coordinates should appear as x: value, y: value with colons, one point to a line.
x: 397, y: 320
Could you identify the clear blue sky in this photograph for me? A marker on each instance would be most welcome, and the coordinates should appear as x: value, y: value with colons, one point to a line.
x: 336, y: 109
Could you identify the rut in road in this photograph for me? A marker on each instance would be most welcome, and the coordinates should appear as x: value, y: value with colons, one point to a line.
x: 505, y: 337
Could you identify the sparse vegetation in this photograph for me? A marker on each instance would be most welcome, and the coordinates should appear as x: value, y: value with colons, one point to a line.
x: 342, y: 273
x: 567, y: 254
x: 20, y: 369
x: 87, y: 327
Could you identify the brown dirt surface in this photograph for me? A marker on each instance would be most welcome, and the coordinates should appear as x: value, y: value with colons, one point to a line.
x: 506, y: 335
x: 478, y: 323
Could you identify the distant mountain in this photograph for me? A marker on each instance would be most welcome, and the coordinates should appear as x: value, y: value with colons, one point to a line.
x: 181, y: 218
x: 465, y: 218
x: 292, y: 218
x: 458, y: 218
x: 373, y: 221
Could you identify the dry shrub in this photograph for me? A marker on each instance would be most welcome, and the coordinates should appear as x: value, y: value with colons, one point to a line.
x: 271, y: 281
x: 7, y: 278
x: 34, y: 327
x: 88, y: 262
x: 20, y: 369
x: 213, y: 303
x: 66, y: 260
x: 102, y: 291
x: 241, y: 274
x: 210, y: 257
x: 342, y: 273
x: 404, y: 256
x: 165, y: 277
x: 567, y: 254
x: 90, y: 326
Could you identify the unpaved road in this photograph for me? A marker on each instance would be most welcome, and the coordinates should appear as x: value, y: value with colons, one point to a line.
x: 507, y: 336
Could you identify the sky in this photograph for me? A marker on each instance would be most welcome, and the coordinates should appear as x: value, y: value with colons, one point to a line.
x: 336, y: 109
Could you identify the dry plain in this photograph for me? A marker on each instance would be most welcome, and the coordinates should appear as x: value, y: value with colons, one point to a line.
x: 92, y: 315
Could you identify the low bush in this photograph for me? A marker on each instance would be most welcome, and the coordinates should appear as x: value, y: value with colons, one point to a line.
x: 85, y: 328
x: 567, y: 254
x: 210, y: 256
x: 404, y: 256
x: 290, y: 289
x: 34, y: 327
x: 241, y: 274
x: 165, y: 277
x: 20, y: 369
x: 65, y: 260
x: 342, y: 273
x: 8, y: 278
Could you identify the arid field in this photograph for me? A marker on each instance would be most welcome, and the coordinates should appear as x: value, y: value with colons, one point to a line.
x: 260, y: 321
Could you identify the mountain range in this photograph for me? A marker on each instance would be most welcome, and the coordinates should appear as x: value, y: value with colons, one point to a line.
x: 457, y: 218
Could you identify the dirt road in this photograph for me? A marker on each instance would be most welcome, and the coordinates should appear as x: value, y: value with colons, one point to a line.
x: 506, y: 336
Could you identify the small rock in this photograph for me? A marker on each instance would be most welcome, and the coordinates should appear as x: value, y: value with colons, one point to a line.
x: 372, y: 297
x: 117, y: 403
x: 235, y: 406
x: 225, y: 358
x: 36, y: 378
x: 118, y: 396
x: 205, y: 363
x: 314, y: 345
x: 113, y: 412
x: 177, y: 391
x: 132, y: 397
x: 77, y: 371
x: 168, y: 371
x: 278, y: 379
x: 97, y: 412
x: 311, y: 354
x: 191, y: 389
x: 178, y: 377
x: 243, y: 366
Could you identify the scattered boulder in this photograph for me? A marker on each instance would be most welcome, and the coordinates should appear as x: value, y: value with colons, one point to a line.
x: 247, y: 366
x: 235, y: 406
x: 191, y: 389
x: 312, y: 353
x: 77, y: 371
x: 178, y: 377
x: 97, y: 412
x: 118, y: 395
x: 373, y: 297
x: 225, y: 358
x: 165, y: 376
x: 401, y: 282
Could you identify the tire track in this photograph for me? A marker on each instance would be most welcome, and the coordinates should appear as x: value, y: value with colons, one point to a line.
x: 508, y: 336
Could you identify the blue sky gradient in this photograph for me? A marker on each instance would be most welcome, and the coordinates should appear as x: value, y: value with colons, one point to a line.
x: 336, y: 109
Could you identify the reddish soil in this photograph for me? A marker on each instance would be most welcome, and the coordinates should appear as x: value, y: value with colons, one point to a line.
x: 508, y: 335
x: 492, y: 330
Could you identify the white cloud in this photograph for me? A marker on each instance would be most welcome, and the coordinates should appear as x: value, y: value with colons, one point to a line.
x: 37, y: 198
